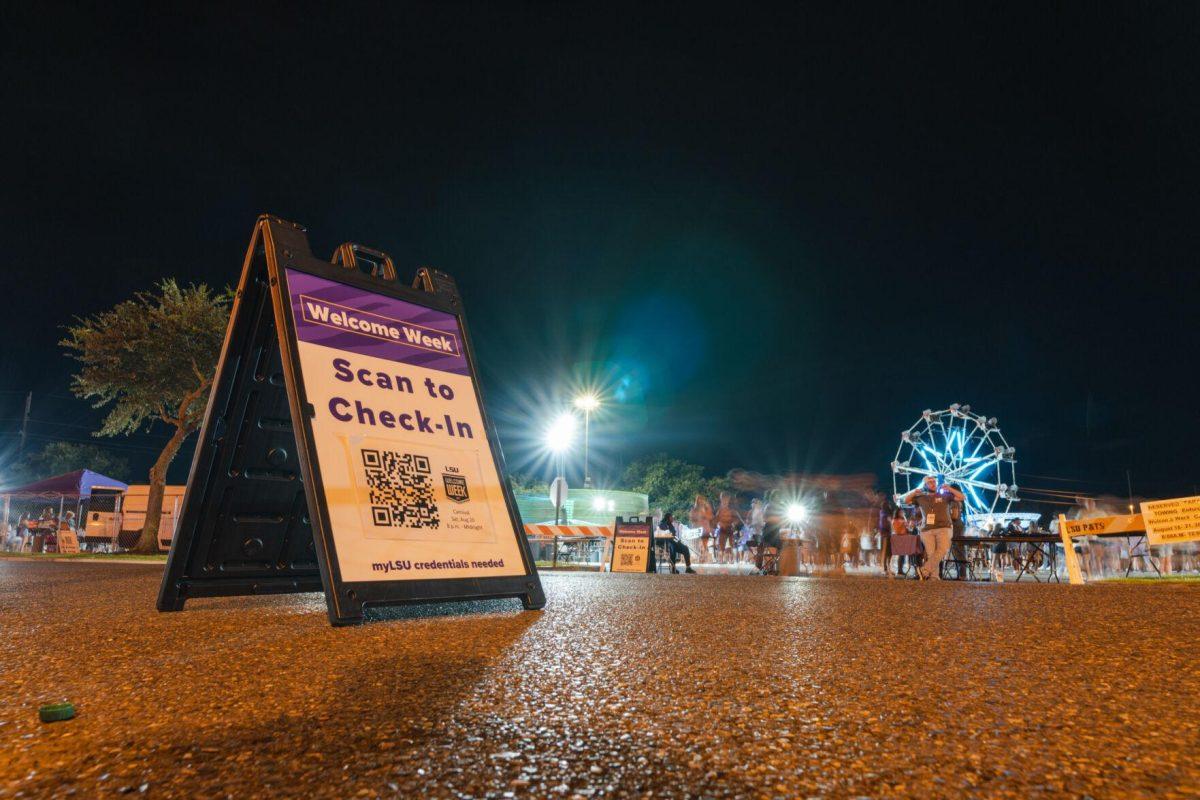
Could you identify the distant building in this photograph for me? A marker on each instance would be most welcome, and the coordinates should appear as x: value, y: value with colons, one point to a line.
x: 583, y: 507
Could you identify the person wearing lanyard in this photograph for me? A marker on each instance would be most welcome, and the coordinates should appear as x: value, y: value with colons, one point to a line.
x: 934, y: 497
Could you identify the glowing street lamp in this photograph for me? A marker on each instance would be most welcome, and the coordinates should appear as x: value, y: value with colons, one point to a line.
x: 796, y: 513
x: 559, y: 437
x: 560, y: 434
x: 587, y: 403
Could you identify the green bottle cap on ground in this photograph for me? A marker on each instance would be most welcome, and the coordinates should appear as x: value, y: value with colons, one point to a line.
x: 56, y: 712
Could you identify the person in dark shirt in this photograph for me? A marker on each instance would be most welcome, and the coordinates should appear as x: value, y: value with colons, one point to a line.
x: 883, y: 525
x: 675, y: 545
x: 771, y: 536
x: 958, y: 525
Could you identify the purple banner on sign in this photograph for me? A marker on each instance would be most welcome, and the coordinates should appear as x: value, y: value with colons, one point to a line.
x: 354, y: 320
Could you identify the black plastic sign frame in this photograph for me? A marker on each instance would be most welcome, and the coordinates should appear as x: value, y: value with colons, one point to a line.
x: 633, y: 545
x: 255, y: 516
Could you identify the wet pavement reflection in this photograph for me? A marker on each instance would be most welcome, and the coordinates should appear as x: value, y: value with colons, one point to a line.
x: 626, y: 685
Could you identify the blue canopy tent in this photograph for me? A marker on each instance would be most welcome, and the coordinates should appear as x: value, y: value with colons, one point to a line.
x: 71, y: 487
x: 78, y: 484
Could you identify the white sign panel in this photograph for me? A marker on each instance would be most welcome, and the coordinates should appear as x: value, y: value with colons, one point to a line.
x: 411, y: 487
x: 1169, y: 521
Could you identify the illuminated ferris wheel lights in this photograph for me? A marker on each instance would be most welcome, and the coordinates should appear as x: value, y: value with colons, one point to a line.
x: 968, y: 449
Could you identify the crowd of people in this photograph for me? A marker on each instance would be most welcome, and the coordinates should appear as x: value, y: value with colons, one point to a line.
x: 755, y: 535
x: 727, y: 535
x: 38, y: 534
x: 913, y: 537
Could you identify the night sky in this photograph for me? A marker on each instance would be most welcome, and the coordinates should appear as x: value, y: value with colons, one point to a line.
x: 774, y: 236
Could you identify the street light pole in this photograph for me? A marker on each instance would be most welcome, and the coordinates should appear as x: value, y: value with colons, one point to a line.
x: 559, y: 435
x: 587, y: 419
x: 557, y: 496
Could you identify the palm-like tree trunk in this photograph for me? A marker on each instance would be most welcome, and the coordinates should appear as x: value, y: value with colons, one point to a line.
x: 148, y: 541
x: 187, y: 420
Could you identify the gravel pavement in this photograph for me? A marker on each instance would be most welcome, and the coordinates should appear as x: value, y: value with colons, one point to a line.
x: 626, y: 685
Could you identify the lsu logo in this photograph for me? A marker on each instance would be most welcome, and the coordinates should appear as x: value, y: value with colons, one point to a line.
x: 456, y: 488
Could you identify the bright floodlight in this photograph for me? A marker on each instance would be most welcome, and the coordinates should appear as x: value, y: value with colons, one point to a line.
x: 587, y: 402
x: 598, y: 503
x: 796, y: 512
x: 561, y: 433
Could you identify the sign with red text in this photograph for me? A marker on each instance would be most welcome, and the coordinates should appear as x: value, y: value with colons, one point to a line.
x: 410, y: 484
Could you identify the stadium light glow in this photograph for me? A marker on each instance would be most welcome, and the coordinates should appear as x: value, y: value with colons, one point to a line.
x: 561, y: 433
x: 587, y: 402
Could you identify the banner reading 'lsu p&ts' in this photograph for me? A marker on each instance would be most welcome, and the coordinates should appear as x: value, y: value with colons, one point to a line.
x: 410, y: 485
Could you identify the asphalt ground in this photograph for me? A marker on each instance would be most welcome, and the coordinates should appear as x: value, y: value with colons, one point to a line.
x: 637, y: 685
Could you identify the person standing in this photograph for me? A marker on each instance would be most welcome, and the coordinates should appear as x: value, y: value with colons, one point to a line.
x: 769, y: 539
x: 883, y: 525
x: 934, y: 499
x: 701, y: 516
x: 757, y: 523
x: 899, y: 525
x: 726, y: 521
x: 958, y: 524
x: 726, y: 518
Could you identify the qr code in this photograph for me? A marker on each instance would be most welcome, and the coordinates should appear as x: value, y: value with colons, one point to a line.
x: 400, y: 489
x: 628, y: 559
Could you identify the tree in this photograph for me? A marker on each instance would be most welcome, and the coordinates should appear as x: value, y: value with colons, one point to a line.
x: 59, y: 457
x: 524, y: 483
x: 671, y: 483
x: 152, y: 359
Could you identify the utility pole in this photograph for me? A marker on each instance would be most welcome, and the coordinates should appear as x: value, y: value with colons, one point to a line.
x: 24, y: 424
x: 1129, y: 486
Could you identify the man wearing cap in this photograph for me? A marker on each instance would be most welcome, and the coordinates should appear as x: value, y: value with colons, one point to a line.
x: 934, y: 499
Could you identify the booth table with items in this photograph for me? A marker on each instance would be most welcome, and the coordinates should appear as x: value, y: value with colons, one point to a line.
x: 1031, y: 554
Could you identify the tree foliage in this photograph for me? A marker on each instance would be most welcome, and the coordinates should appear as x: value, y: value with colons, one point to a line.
x: 146, y: 358
x: 59, y: 457
x: 671, y: 483
x: 524, y: 483
x: 151, y: 359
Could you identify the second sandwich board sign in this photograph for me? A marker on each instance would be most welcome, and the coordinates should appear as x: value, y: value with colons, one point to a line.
x: 633, y: 545
x: 374, y: 416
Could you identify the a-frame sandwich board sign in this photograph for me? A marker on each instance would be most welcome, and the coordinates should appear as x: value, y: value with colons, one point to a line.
x: 345, y: 445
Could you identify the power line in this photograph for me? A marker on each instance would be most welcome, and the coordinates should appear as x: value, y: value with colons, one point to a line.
x: 1054, y: 478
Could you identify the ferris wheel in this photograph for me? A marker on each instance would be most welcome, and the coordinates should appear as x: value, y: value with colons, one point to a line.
x: 968, y: 449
